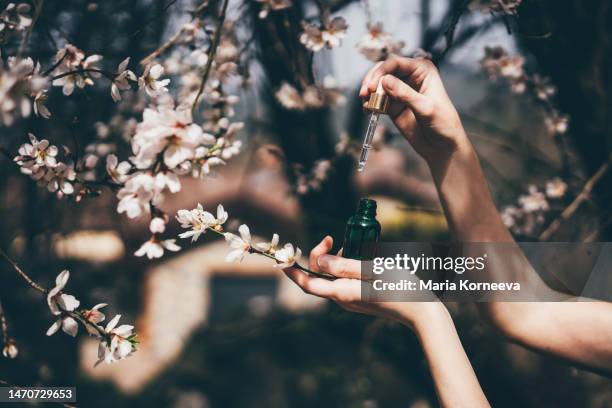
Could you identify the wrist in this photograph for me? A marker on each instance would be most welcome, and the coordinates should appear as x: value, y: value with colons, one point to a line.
x: 460, y: 156
x: 419, y: 316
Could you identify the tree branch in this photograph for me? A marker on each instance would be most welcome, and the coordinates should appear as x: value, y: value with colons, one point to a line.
x: 211, y: 53
x: 584, y: 195
x: 22, y: 274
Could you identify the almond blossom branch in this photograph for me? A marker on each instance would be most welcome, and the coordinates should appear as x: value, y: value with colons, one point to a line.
x: 116, y: 342
x: 584, y: 195
x: 199, y: 221
x: 211, y: 54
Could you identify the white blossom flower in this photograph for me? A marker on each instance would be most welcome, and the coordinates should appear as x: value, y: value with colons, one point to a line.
x: 155, y: 249
x: 556, y: 124
x: 136, y: 195
x: 40, y: 109
x: 534, y: 201
x: 335, y: 32
x: 10, y: 349
x: 170, y: 131
x: 289, y: 97
x: 19, y: 81
x: 157, y: 225
x: 268, y: 247
x: 556, y: 188
x: 120, y: 343
x: 272, y: 5
x: 60, y: 180
x: 121, y: 80
x: 314, y: 38
x: 543, y: 87
x: 199, y: 220
x: 240, y: 245
x: 73, y: 59
x: 497, y: 63
x: 118, y: 172
x: 36, y: 153
x: 15, y: 17
x: 287, y: 256
x: 60, y: 303
x: 150, y: 82
x: 167, y: 179
x: 94, y: 316
x: 377, y: 45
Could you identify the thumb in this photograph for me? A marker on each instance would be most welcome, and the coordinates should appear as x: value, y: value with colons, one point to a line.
x: 401, y: 91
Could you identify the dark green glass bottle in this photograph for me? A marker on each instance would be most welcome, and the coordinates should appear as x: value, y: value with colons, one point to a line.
x: 362, y: 232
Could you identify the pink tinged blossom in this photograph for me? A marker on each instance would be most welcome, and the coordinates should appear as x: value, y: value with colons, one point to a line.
x: 155, y: 249
x: 240, y: 245
x: 556, y: 188
x: 10, y: 349
x: 377, y: 45
x: 118, y: 172
x: 60, y: 303
x: 136, y: 196
x: 268, y: 247
x: 118, y: 345
x: 157, y: 225
x: 121, y: 81
x: 287, y: 256
x: 57, y: 300
x: 150, y: 80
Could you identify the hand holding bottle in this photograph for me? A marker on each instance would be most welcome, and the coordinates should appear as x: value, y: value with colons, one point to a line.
x: 346, y: 290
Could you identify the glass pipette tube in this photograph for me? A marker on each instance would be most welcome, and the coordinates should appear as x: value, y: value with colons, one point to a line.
x: 367, y: 140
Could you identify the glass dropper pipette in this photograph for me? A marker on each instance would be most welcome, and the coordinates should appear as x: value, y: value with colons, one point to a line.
x: 377, y: 104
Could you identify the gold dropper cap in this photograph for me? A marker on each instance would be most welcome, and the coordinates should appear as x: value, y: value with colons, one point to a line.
x: 379, y: 101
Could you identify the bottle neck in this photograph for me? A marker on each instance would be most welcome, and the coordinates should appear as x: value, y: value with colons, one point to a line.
x: 367, y: 208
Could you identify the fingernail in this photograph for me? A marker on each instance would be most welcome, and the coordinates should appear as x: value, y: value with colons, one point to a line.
x: 323, y: 261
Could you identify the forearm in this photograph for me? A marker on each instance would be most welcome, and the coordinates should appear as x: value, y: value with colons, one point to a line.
x: 469, y: 208
x: 455, y: 381
x: 577, y: 331
x: 580, y: 332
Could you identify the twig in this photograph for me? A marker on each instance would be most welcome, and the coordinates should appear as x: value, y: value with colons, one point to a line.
x: 584, y: 195
x: 21, y: 273
x: 211, y: 54
x: 162, y: 48
x: 82, y: 71
x: 3, y: 326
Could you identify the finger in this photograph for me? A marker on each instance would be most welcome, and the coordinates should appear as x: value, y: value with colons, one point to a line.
x: 340, y: 252
x: 363, y: 91
x: 340, y: 267
x: 404, y: 67
x: 324, y: 247
x: 399, y: 90
x: 313, y: 286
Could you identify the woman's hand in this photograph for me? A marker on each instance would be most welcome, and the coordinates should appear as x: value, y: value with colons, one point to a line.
x: 455, y: 381
x: 419, y: 106
x: 346, y: 290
